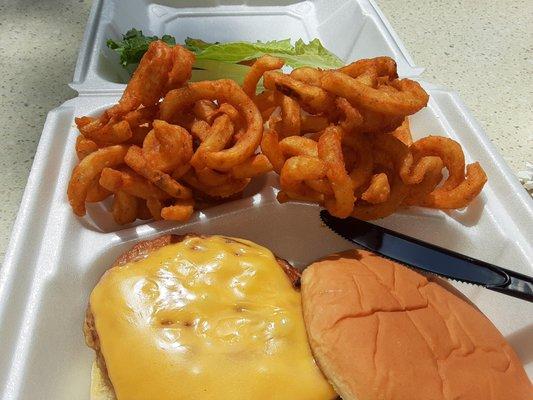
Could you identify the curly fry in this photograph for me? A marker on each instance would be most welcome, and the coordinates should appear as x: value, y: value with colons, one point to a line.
x: 330, y: 151
x: 180, y: 211
x: 384, y: 66
x: 398, y: 192
x: 204, y: 110
x: 259, y: 67
x: 217, y: 138
x: 167, y: 146
x: 256, y: 165
x: 314, y: 97
x: 223, y: 90
x: 181, y: 70
x: 378, y: 191
x: 148, y: 81
x: 403, y: 133
x: 208, y: 177
x: 84, y: 147
x: 431, y: 179
x: 451, y: 154
x: 124, y: 208
x: 308, y: 75
x: 409, y: 99
x: 352, y: 118
x: 88, y: 170
x: 313, y: 123
x: 228, y: 189
x: 271, y: 149
x: 96, y: 192
x: 362, y: 172
x: 126, y: 180
x: 461, y: 195
x: 135, y: 160
x: 155, y: 206
x: 296, y: 171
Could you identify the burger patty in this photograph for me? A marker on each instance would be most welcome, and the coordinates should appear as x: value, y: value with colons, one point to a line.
x: 138, y: 252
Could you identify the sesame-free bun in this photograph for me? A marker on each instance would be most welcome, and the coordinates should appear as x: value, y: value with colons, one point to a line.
x: 382, y: 331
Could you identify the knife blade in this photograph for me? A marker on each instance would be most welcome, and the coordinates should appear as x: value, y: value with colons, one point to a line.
x: 430, y: 258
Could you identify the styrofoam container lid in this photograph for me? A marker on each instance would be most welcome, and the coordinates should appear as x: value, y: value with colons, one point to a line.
x: 351, y: 29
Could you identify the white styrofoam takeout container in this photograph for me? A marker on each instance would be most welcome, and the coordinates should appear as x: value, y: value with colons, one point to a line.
x: 54, y: 259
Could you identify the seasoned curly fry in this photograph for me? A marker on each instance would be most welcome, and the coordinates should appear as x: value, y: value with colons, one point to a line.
x: 135, y: 160
x: 378, y: 191
x: 409, y: 99
x: 403, y: 133
x: 398, y: 192
x: 200, y: 129
x: 259, y: 67
x: 180, y: 72
x: 128, y: 181
x: 96, y: 193
x: 218, y: 136
x: 256, y: 165
x: 362, y: 171
x: 451, y: 154
x: 296, y: 171
x: 290, y: 117
x: 461, y: 195
x: 384, y: 66
x: 180, y: 211
x: 167, y: 146
x: 314, y: 97
x: 208, y: 177
x: 228, y: 189
x: 84, y: 147
x: 223, y: 91
x: 313, y: 123
x: 308, y: 75
x: 431, y: 179
x: 124, y: 208
x: 271, y: 149
x: 330, y: 151
x: 351, y: 117
x: 155, y: 206
x: 204, y: 110
x: 298, y: 146
x: 88, y: 170
x: 148, y: 81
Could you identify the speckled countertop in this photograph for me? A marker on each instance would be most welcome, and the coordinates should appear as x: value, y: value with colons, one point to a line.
x: 482, y: 49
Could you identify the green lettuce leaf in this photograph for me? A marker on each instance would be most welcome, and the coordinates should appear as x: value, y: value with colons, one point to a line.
x: 221, y: 60
x: 134, y: 44
x: 312, y: 54
x: 213, y: 69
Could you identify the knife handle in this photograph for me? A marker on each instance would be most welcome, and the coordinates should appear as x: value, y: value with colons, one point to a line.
x: 517, y: 285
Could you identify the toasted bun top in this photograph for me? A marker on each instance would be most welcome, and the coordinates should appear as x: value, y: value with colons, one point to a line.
x: 202, y: 318
x: 382, y: 331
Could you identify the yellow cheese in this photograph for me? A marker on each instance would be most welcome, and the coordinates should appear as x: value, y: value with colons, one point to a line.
x: 206, y: 318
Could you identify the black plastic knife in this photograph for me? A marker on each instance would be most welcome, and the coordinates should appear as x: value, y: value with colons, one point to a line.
x: 430, y: 258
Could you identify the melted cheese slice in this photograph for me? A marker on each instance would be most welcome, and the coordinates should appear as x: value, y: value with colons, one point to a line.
x: 206, y: 318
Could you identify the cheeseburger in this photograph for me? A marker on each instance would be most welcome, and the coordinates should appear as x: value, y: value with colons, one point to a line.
x: 198, y: 318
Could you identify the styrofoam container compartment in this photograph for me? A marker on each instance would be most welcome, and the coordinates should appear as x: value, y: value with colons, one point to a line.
x: 55, y: 259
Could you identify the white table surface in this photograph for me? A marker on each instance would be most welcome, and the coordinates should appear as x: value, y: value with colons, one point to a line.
x: 482, y: 49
